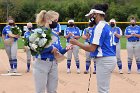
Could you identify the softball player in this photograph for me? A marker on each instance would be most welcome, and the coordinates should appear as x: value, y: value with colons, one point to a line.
x: 86, y: 36
x: 45, y: 67
x: 117, y: 33
x: 101, y: 47
x: 72, y: 32
x: 26, y: 48
x: 10, y: 43
x: 57, y: 29
x: 132, y: 34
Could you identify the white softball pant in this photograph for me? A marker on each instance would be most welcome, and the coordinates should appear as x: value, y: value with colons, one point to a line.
x: 104, y: 68
x: 45, y: 76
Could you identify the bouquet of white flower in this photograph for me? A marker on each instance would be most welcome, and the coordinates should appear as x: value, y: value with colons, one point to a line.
x: 40, y: 39
x: 16, y: 30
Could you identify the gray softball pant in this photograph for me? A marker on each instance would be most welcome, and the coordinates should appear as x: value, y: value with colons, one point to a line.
x: 118, y: 49
x: 75, y: 52
x: 133, y: 48
x: 45, y: 75
x: 104, y: 68
x: 11, y: 51
x: 28, y: 54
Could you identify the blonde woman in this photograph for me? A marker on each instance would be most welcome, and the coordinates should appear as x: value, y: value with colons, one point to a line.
x: 45, y: 66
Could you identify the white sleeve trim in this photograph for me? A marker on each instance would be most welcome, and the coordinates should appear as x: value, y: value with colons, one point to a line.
x: 97, y: 33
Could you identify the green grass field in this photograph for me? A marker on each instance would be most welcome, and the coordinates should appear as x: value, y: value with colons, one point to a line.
x: 63, y: 42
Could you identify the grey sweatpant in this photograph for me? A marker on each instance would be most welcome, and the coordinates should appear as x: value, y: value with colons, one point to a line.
x: 45, y: 76
x: 104, y: 68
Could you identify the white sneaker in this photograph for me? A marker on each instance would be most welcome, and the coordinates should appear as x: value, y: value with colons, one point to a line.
x: 78, y: 71
x: 10, y: 71
x: 129, y: 72
x: 14, y: 70
x: 138, y: 71
x: 120, y: 71
x: 68, y: 71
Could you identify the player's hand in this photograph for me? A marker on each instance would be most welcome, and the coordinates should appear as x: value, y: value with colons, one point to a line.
x: 88, y: 36
x: 74, y: 41
x: 54, y: 50
x: 69, y: 47
x: 115, y: 33
x: 71, y: 34
x: 17, y: 36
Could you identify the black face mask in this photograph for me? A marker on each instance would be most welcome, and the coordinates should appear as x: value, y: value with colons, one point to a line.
x: 112, y: 25
x: 53, y: 25
x: 29, y: 29
x: 92, y: 19
x: 71, y: 25
x: 133, y: 24
x: 12, y: 24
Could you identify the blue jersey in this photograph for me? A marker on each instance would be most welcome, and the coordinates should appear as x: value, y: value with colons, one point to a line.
x: 88, y: 31
x: 46, y: 53
x: 74, y: 30
x: 58, y: 28
x: 102, y: 37
x: 117, y: 30
x: 6, y: 30
x: 130, y: 29
x: 27, y: 34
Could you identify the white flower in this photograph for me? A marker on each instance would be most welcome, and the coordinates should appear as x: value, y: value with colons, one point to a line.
x: 36, y: 40
x: 42, y: 42
x: 33, y: 37
x: 34, y: 46
x: 44, y: 35
x: 38, y: 30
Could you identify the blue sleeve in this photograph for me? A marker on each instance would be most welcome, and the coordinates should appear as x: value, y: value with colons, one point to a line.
x: 65, y: 32
x: 78, y: 31
x: 84, y: 32
x: 126, y: 31
x: 59, y: 47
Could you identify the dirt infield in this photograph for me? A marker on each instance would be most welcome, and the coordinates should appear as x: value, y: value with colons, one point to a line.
x: 68, y: 83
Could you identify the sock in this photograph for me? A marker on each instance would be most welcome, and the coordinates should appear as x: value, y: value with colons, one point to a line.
x: 87, y: 65
x: 95, y: 66
x: 77, y: 64
x: 129, y: 65
x: 15, y: 63
x: 28, y: 64
x: 119, y: 63
x: 11, y: 64
x: 138, y: 65
x: 68, y: 64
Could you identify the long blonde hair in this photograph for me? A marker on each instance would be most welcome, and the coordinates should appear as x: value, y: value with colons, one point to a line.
x: 44, y: 15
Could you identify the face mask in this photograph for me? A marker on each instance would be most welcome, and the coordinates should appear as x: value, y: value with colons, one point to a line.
x: 112, y: 25
x: 92, y: 19
x: 29, y: 29
x: 12, y: 24
x: 133, y: 24
x: 53, y: 25
x: 71, y: 25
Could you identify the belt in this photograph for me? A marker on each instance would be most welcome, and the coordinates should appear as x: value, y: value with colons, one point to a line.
x: 134, y: 41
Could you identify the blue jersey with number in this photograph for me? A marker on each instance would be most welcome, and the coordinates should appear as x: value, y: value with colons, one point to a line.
x: 117, y: 30
x: 102, y: 37
x: 130, y: 29
x: 74, y: 30
x: 58, y: 28
x: 6, y: 30
x: 88, y: 31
